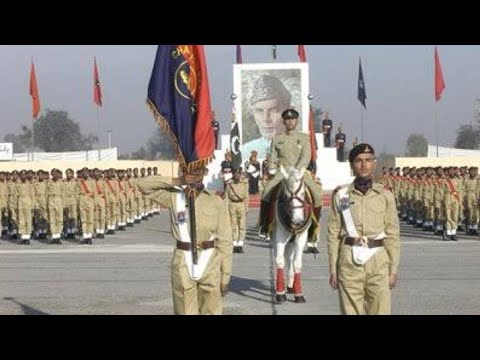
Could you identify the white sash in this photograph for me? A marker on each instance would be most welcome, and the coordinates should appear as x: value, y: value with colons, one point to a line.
x: 181, y: 217
x: 361, y: 254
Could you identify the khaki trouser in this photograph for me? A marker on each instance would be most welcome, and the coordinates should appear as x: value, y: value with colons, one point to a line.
x: 100, y: 215
x: 452, y: 207
x: 86, y: 207
x: 131, y: 207
x: 112, y: 213
x: 55, y: 214
x: 25, y: 207
x: 201, y: 297
x: 364, y: 289
x: 472, y: 210
x: 70, y: 211
x: 122, y: 209
x: 239, y: 220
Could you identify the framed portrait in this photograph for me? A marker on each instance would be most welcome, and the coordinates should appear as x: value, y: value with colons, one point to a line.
x: 264, y: 92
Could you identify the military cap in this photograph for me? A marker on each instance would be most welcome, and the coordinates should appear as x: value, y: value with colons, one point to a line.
x: 361, y: 149
x: 290, y: 114
x: 268, y: 87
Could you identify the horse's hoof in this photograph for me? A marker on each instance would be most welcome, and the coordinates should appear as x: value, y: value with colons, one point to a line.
x: 280, y: 299
x: 290, y: 290
x: 300, y: 299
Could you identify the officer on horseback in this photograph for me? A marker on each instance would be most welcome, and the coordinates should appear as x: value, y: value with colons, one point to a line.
x: 292, y: 149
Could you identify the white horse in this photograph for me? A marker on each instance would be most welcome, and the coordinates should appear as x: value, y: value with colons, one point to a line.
x: 290, y: 235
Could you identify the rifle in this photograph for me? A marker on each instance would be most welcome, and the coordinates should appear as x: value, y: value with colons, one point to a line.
x: 193, y: 224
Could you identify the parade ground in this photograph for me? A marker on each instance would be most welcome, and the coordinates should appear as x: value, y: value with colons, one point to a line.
x: 129, y: 274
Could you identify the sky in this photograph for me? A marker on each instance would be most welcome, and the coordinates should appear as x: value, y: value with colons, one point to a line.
x: 398, y: 78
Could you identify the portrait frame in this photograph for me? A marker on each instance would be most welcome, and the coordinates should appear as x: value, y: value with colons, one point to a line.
x: 295, y: 79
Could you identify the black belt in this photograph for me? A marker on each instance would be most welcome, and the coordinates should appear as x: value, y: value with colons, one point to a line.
x: 236, y: 201
x: 358, y: 242
x: 205, y: 245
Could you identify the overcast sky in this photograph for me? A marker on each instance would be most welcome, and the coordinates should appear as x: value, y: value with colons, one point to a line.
x: 399, y: 82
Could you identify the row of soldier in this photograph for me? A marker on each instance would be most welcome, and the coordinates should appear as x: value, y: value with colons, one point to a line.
x: 442, y: 199
x: 45, y: 205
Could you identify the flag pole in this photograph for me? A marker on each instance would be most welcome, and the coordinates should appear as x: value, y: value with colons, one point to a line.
x: 362, y: 119
x: 99, y: 135
x: 33, y: 138
x: 436, y: 127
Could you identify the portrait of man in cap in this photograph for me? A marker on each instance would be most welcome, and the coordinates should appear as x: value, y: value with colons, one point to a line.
x: 265, y: 94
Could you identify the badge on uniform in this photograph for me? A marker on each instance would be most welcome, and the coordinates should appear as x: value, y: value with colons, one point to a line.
x: 181, y: 217
x: 344, y: 203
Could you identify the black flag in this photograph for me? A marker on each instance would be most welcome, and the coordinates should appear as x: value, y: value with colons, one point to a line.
x: 235, y: 146
x: 362, y: 91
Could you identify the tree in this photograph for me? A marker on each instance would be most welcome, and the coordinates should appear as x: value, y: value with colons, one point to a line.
x: 160, y: 146
x: 141, y: 154
x: 468, y: 137
x: 22, y: 142
x: 417, y: 146
x: 56, y: 132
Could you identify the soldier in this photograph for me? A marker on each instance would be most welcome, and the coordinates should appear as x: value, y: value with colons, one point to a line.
x: 26, y: 198
x: 471, y: 189
x: 55, y: 195
x: 237, y: 196
x: 292, y: 149
x: 252, y: 167
x: 363, y: 240
x: 155, y: 171
x: 111, y: 190
x: 327, y: 126
x: 131, y: 202
x: 70, y: 204
x: 86, y: 193
x: 340, y: 141
x: 452, y: 202
x: 13, y: 204
x: 100, y: 205
x: 122, y: 200
x: 138, y: 198
x: 314, y: 230
x: 4, y: 203
x: 196, y: 289
x: 40, y: 211
x: 216, y: 129
x: 265, y: 165
x: 226, y: 172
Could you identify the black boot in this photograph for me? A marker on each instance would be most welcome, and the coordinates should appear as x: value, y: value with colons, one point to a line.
x: 263, y: 219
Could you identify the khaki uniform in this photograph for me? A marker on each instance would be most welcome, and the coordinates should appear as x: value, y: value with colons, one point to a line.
x: 111, y: 187
x: 122, y: 202
x: 4, y: 205
x: 365, y: 288
x: 237, y: 195
x: 13, y: 206
x: 131, y: 203
x: 471, y: 189
x: 86, y: 194
x: 55, y: 195
x: 203, y: 296
x: 292, y: 150
x: 452, y: 204
x: 100, y: 219
x: 138, y: 199
x: 70, y: 205
x: 26, y: 196
x: 40, y: 207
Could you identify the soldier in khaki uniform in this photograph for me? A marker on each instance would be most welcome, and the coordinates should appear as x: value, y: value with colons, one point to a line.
x: 291, y: 149
x: 100, y: 205
x: 112, y: 191
x: 363, y: 240
x: 40, y: 210
x: 138, y: 198
x: 197, y: 293
x: 237, y: 194
x: 26, y: 199
x: 70, y: 204
x: 4, y: 203
x: 452, y: 188
x: 55, y: 195
x: 86, y: 194
x: 131, y: 203
x: 470, y: 187
x: 122, y: 200
x: 13, y: 204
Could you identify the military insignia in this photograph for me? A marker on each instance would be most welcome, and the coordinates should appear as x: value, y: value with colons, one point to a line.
x: 344, y: 203
x: 181, y: 217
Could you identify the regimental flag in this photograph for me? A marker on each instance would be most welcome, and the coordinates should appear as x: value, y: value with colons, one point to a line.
x: 439, y: 81
x: 179, y: 96
x: 97, y: 87
x: 362, y: 91
x: 239, y: 54
x: 235, y: 142
x: 34, y: 93
x: 302, y: 55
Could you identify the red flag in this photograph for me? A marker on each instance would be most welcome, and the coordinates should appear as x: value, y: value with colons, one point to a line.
x: 439, y: 81
x: 97, y: 89
x: 34, y: 93
x: 313, y: 139
x: 301, y: 53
